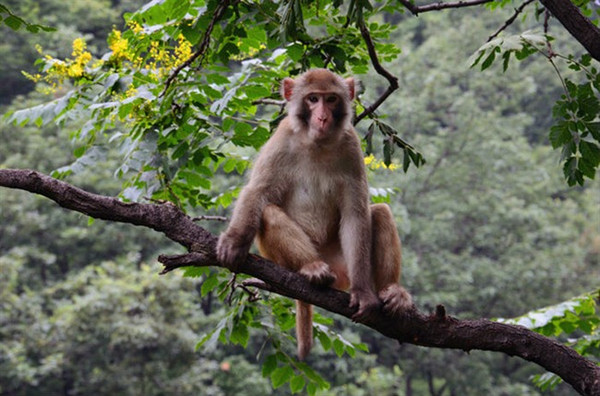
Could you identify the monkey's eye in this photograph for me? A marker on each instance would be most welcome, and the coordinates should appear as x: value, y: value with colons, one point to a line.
x: 313, y: 98
x: 331, y: 99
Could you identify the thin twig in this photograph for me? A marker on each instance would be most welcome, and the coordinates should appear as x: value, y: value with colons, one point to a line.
x: 202, y: 49
x: 231, y: 284
x: 211, y: 218
x: 252, y: 295
x: 546, y: 29
x: 269, y: 101
x: 510, y: 20
x: 416, y: 10
x: 393, y: 80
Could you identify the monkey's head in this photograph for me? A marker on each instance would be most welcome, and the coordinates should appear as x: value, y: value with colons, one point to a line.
x: 319, y: 103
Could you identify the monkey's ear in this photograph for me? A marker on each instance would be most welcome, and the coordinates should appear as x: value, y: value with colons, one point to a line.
x: 287, y: 88
x: 350, y: 84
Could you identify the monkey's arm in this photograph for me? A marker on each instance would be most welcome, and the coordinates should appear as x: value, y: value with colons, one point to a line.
x: 356, y: 241
x: 235, y: 242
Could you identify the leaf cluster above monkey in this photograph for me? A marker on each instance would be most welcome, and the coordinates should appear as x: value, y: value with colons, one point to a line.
x: 307, y: 205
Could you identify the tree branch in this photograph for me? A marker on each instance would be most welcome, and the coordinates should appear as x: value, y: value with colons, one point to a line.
x: 577, y: 24
x: 202, y: 49
x: 436, y: 330
x: 393, y: 80
x: 510, y: 20
x: 416, y: 10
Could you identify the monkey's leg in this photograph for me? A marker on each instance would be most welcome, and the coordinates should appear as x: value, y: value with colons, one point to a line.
x: 282, y: 240
x: 387, y: 260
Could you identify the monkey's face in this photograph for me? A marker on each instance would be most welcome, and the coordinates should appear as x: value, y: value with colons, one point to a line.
x: 324, y: 113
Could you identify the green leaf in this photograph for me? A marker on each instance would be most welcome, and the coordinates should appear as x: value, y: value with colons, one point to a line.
x: 489, y: 60
x: 79, y: 151
x: 240, y: 334
x: 14, y: 22
x: 560, y: 135
x: 388, y: 150
x: 242, y: 129
x: 195, y: 272
x: 269, y: 365
x: 297, y: 384
x: 586, y: 168
x: 209, y: 284
x: 338, y: 347
x: 194, y: 179
x: 281, y: 375
x: 325, y: 340
x: 295, y: 52
x: 590, y: 152
x: 254, y: 92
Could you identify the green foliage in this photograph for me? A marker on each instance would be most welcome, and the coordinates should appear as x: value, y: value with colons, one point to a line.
x: 15, y: 22
x: 577, y: 129
x: 577, y: 318
x: 176, y: 128
x: 274, y: 317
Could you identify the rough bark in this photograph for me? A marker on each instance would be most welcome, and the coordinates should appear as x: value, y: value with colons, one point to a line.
x: 436, y: 330
x: 577, y: 24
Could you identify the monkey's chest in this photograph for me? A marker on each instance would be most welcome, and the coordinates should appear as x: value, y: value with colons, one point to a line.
x: 315, y: 205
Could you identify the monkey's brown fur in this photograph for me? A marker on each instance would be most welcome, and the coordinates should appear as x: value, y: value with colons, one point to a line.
x: 307, y: 204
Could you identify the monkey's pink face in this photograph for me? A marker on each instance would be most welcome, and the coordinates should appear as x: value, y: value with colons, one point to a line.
x: 325, y: 113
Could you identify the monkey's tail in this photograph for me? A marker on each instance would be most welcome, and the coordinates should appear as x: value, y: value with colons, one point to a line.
x: 304, y: 336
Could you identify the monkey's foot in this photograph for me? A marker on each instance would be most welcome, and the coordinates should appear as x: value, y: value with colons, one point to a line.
x: 395, y: 299
x: 365, y: 302
x: 318, y: 273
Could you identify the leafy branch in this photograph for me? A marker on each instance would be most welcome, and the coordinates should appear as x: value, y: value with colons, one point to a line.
x: 577, y: 24
x: 510, y: 20
x: 204, y: 45
x: 393, y: 80
x: 577, y: 127
x: 436, y: 330
x: 15, y: 22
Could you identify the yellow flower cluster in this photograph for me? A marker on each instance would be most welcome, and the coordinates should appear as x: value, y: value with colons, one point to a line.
x: 61, y: 69
x: 82, y: 58
x: 159, y: 59
x: 373, y: 163
x: 183, y: 51
x: 163, y: 59
x: 119, y: 46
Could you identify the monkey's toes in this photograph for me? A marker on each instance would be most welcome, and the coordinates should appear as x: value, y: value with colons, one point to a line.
x: 318, y: 273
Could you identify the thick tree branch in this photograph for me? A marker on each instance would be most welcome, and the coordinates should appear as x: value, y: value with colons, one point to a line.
x: 577, y: 24
x: 436, y: 330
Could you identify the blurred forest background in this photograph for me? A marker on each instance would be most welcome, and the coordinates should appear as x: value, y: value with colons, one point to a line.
x: 489, y: 228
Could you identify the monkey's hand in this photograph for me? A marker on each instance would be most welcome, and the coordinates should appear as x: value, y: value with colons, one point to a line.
x: 231, y: 252
x: 365, y: 302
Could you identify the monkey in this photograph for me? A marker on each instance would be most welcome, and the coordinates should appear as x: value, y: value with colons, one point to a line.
x: 307, y: 205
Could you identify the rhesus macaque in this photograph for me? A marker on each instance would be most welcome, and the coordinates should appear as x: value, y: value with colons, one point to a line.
x: 307, y: 203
